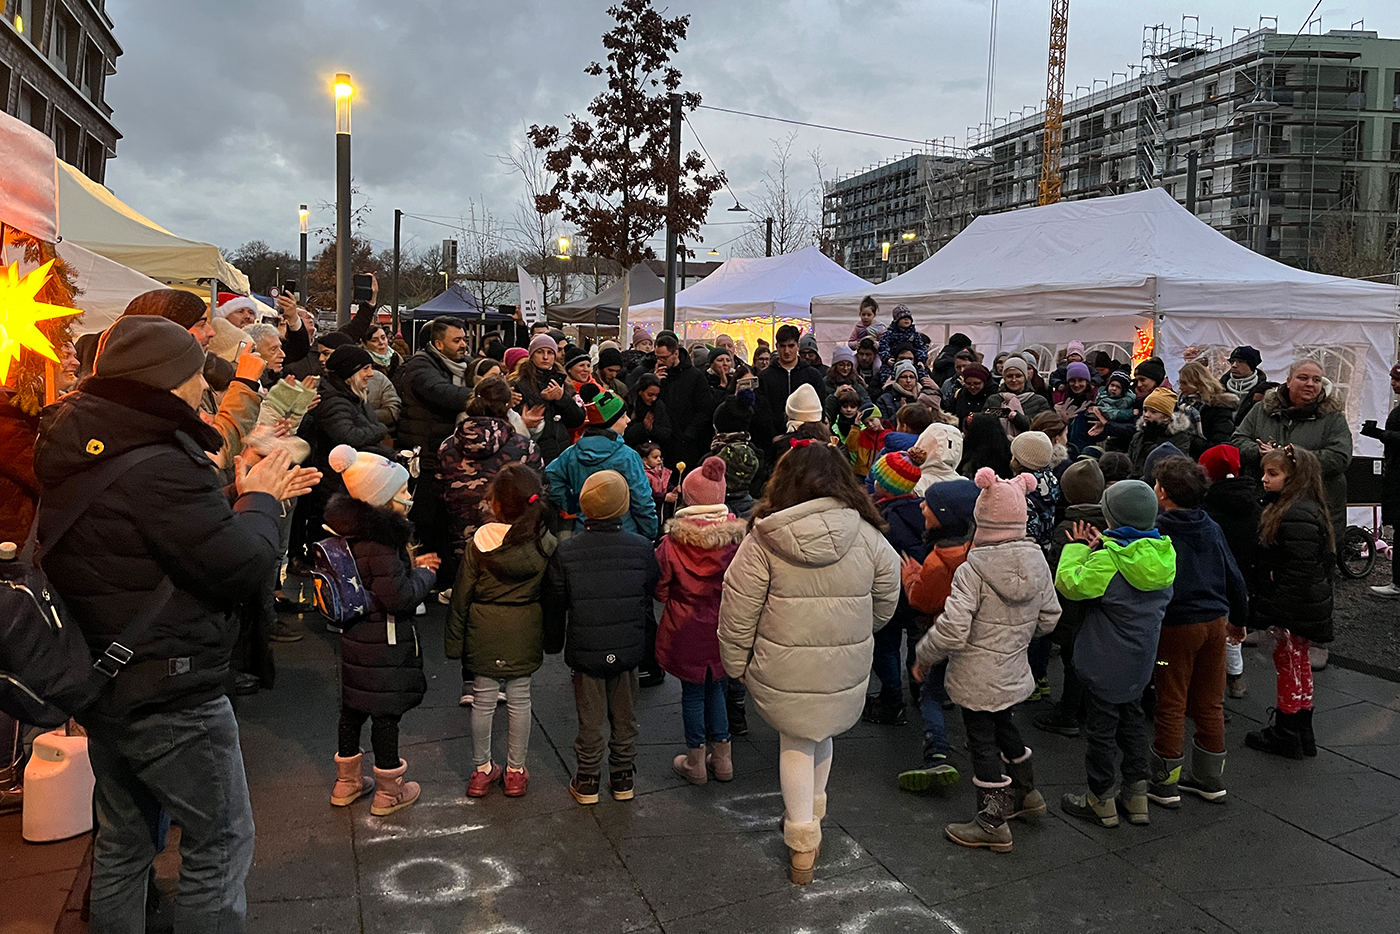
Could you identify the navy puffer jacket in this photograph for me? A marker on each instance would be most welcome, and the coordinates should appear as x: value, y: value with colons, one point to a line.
x: 381, y: 663
x: 1292, y: 585
x: 601, y: 580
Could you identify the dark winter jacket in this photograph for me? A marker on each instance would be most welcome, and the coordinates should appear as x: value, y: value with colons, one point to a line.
x: 381, y: 661
x: 1292, y: 584
x: 637, y: 432
x: 693, y: 556
x: 1180, y: 431
x: 1208, y: 583
x: 1129, y: 581
x: 1217, y: 423
x: 431, y: 404
x: 165, y: 516
x: 495, y: 616
x: 965, y: 404
x: 469, y: 460
x: 906, y: 521
x: 19, y: 488
x: 1234, y: 505
x: 1320, y: 427
x: 1071, y: 611
x: 1390, y: 482
x: 561, y: 416
x: 597, y: 599
x: 775, y: 384
x: 691, y: 405
x: 341, y: 417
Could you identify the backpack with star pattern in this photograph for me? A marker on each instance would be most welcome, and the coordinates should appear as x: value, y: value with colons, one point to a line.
x: 340, y: 594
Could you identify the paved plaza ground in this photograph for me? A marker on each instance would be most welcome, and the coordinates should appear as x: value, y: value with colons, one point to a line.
x: 1301, y: 846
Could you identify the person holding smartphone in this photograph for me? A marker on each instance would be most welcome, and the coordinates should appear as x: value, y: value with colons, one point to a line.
x: 541, y: 381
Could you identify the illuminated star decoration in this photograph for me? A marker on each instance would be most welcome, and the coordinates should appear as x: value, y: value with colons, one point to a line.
x: 19, y: 310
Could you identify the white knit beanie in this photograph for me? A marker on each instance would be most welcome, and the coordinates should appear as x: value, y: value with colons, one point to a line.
x: 368, y: 477
x: 804, y: 405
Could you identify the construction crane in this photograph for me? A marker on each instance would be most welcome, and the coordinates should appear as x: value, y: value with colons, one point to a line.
x: 1050, y: 179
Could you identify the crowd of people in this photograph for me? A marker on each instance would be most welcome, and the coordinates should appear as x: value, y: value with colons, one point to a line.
x: 766, y: 527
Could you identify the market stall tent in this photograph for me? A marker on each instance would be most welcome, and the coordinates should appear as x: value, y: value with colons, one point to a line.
x: 105, y: 288
x: 92, y: 217
x: 749, y: 298
x: 1102, y: 269
x: 602, y: 309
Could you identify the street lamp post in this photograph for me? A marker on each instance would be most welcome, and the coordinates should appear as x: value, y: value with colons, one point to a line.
x: 344, y: 90
x: 303, y: 216
x: 885, y: 258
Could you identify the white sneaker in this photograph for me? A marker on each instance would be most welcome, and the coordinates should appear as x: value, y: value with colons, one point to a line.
x: 445, y: 596
x: 1389, y: 591
x: 422, y: 610
x: 468, y: 695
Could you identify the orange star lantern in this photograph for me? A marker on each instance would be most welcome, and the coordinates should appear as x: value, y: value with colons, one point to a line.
x: 19, y: 310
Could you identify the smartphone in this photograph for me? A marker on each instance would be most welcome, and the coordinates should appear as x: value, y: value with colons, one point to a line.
x: 290, y: 287
x: 364, y: 288
x: 271, y: 319
x: 241, y: 345
x: 748, y: 382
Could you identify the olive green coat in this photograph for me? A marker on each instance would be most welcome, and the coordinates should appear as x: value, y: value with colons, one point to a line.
x: 495, y: 616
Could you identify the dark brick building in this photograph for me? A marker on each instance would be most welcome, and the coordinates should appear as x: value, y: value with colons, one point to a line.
x: 55, y: 56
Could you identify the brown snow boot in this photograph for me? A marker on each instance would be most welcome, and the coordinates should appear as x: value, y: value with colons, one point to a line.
x: 350, y: 782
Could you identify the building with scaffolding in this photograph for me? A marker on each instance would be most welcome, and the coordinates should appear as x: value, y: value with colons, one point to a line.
x: 1289, y: 144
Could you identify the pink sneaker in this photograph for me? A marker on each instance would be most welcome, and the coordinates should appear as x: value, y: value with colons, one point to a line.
x: 517, y: 782
x: 480, y: 782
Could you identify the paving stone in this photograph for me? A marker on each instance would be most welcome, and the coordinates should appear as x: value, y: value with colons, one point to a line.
x: 1349, y: 906
x: 304, y: 916
x: 20, y: 859
x: 1362, y: 724
x: 1322, y: 804
x: 300, y: 861
x: 1377, y: 843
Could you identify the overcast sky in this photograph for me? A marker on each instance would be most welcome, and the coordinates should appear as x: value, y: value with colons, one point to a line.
x: 228, y: 121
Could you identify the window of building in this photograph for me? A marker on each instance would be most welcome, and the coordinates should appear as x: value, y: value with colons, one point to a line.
x: 1174, y: 102
x: 32, y: 107
x: 21, y: 14
x: 1211, y: 90
x: 4, y: 86
x: 1395, y: 97
x: 1395, y: 142
x: 1207, y: 187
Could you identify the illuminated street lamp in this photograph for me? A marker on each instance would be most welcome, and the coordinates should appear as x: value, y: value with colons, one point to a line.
x: 344, y: 91
x: 885, y: 258
x: 563, y: 248
x: 303, y: 216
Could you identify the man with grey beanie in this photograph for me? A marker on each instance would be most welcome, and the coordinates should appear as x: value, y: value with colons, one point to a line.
x: 160, y: 541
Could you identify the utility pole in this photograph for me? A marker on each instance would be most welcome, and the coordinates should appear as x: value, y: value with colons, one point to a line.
x: 394, y: 282
x: 768, y: 237
x: 672, y: 235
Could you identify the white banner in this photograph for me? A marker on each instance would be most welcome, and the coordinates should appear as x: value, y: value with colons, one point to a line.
x: 529, y: 298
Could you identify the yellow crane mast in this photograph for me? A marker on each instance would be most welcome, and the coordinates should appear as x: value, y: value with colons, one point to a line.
x: 1054, y: 104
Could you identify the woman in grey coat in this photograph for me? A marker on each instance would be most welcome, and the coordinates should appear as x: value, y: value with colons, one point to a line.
x: 802, y: 599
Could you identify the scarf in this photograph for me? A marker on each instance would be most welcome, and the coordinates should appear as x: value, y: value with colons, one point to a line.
x: 1244, y: 388
x: 386, y: 359
x: 458, y: 370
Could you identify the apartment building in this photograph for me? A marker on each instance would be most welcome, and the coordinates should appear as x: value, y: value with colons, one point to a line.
x: 55, y: 58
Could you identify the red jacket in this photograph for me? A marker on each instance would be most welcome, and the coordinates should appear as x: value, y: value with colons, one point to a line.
x: 930, y: 589
x: 694, y: 554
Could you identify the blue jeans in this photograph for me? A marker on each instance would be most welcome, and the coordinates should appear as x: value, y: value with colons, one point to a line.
x: 885, y: 664
x: 703, y: 712
x: 931, y: 697
x: 188, y: 763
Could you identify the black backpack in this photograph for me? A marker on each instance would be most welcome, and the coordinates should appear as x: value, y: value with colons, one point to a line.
x: 47, y: 672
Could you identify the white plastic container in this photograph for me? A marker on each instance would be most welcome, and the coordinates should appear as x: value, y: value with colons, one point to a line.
x: 57, y: 788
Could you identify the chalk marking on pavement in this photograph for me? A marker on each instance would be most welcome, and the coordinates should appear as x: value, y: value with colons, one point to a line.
x: 459, y: 887
x: 859, y: 924
x: 392, y: 832
x: 749, y: 818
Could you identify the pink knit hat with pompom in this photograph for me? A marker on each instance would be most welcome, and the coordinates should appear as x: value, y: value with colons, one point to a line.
x: 1000, y: 512
x: 705, y: 487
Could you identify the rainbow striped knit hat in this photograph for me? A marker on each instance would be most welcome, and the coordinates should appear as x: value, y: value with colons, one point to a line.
x: 897, y: 472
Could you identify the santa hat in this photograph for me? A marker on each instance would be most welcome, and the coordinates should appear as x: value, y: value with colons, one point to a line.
x: 229, y: 302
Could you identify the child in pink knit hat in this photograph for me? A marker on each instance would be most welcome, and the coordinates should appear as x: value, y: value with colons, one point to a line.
x: 1002, y: 596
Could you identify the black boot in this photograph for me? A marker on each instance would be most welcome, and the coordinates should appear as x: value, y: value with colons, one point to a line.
x: 1280, y: 737
x: 989, y: 828
x: 1026, y: 801
x: 1305, y: 732
x: 884, y: 713
x: 738, y: 716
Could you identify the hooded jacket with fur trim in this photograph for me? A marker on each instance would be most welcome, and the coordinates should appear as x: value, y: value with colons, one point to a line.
x: 381, y: 660
x: 697, y: 549
x: 1320, y: 427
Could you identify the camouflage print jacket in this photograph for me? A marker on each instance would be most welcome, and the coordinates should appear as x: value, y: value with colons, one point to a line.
x: 469, y: 460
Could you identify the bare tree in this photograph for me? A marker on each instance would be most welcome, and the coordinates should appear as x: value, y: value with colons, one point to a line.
x: 826, y: 240
x: 789, y: 206
x: 483, y: 261
x: 535, y: 232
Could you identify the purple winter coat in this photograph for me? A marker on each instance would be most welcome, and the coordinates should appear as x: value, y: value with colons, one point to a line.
x: 694, y: 554
x: 469, y: 460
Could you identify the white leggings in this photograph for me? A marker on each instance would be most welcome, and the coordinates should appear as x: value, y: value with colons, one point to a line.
x: 803, y: 767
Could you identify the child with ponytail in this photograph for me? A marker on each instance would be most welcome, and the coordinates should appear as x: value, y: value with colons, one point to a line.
x: 496, y: 619
x: 1291, y: 591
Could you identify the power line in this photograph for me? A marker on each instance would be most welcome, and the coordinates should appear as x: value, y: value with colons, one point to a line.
x: 815, y: 126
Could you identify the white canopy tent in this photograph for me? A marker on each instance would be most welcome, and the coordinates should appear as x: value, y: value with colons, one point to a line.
x: 1099, y: 270
x: 105, y: 287
x: 92, y: 217
x: 750, y: 295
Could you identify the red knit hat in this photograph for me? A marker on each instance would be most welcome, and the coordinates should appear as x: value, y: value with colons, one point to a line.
x: 706, y: 486
x: 1220, y: 462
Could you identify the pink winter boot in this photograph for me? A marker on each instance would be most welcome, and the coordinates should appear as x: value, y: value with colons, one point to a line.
x: 350, y: 784
x: 392, y: 792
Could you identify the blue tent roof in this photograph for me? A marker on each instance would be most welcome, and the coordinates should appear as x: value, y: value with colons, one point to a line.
x: 456, y: 302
